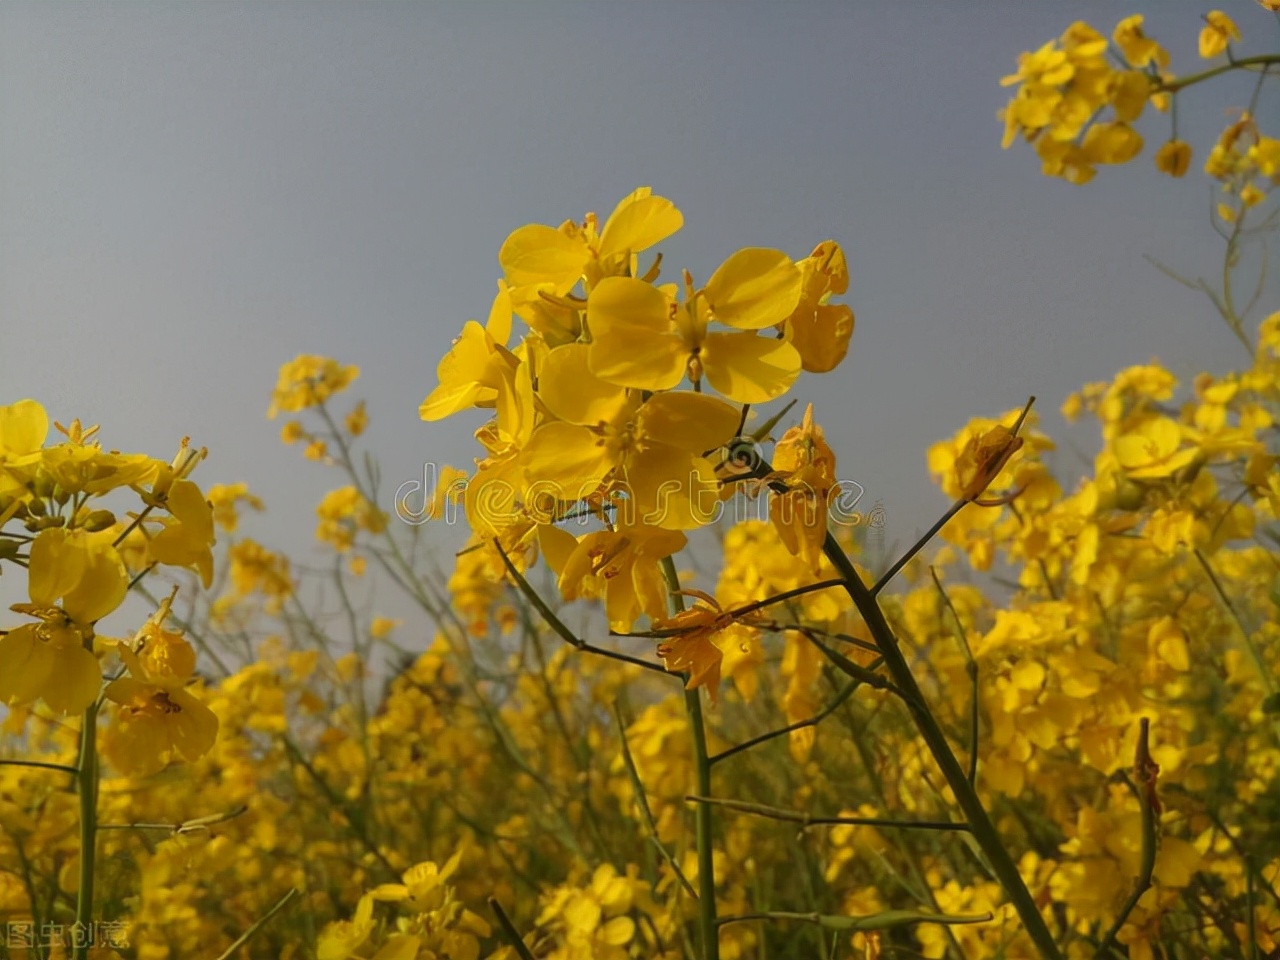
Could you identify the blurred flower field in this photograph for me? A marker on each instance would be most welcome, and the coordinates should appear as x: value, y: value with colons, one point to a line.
x: 1050, y: 728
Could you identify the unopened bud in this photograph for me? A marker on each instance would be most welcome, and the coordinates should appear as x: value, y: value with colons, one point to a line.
x: 99, y: 520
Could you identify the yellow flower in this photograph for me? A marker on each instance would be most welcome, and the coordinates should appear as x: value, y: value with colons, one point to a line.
x: 1173, y: 158
x: 1111, y: 143
x: 626, y: 559
x: 1137, y: 47
x: 292, y: 432
x: 74, y: 580
x: 357, y: 420
x: 342, y: 938
x: 223, y: 499
x: 982, y: 459
x: 382, y: 627
x: 255, y: 568
x: 344, y: 511
x: 156, y: 717
x: 470, y: 374
x: 554, y: 260
x: 692, y: 646
x: 187, y: 537
x: 1153, y: 449
x: 643, y: 338
x: 820, y: 330
x: 423, y: 888
x: 308, y: 381
x: 1265, y: 155
x: 1218, y: 32
x: 806, y: 464
x: 653, y: 448
x: 23, y: 428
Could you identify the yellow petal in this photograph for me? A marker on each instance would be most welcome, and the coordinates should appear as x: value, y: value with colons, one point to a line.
x: 26, y: 665
x: 499, y: 325
x: 565, y: 460
x: 58, y: 560
x: 689, y: 421
x: 23, y: 428
x: 822, y: 336
x: 748, y: 368
x: 556, y: 545
x: 755, y: 288
x: 76, y: 681
x: 103, y: 587
x: 634, y: 343
x: 399, y: 946
x: 638, y: 222
x: 464, y: 374
x: 194, y: 728
x: 541, y: 254
x: 572, y: 392
x: 672, y: 489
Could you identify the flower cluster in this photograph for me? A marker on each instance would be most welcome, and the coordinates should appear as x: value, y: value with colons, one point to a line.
x: 589, y: 410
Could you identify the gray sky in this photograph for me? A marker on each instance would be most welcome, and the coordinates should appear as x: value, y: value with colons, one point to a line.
x: 192, y: 194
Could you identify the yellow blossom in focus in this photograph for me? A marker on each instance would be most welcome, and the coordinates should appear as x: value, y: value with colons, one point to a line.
x: 643, y: 338
x: 187, y: 538
x: 806, y: 465
x: 157, y: 718
x: 626, y: 559
x: 819, y: 329
x: 653, y: 447
x: 554, y: 260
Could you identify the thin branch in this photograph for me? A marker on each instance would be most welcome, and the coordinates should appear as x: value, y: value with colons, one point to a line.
x: 971, y: 668
x: 556, y: 624
x: 650, y: 824
x: 258, y: 924
x: 813, y: 721
x: 509, y: 928
x: 807, y: 820
x: 917, y: 547
x: 41, y: 765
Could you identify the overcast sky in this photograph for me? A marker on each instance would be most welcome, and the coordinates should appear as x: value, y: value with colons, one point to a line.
x: 192, y: 194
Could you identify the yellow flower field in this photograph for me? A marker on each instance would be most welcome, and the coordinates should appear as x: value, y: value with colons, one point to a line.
x: 1050, y: 728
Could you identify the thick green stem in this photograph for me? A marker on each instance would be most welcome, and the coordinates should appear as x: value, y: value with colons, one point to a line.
x: 980, y: 825
x: 87, y: 785
x: 708, y: 927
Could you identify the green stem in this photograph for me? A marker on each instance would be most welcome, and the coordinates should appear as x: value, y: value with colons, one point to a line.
x: 708, y: 928
x: 87, y: 785
x: 258, y: 924
x: 41, y: 765
x: 1181, y: 83
x: 980, y: 825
